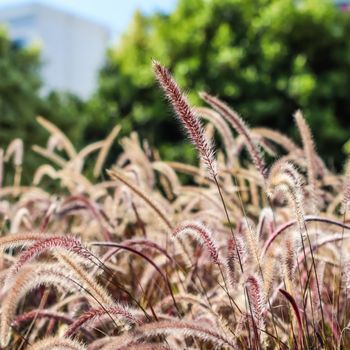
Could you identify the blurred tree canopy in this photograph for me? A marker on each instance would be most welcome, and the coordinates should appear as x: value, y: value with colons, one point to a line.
x: 21, y: 101
x: 266, y: 58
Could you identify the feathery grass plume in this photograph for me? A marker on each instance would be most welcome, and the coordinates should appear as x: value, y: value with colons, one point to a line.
x: 94, y: 314
x: 284, y: 177
x: 66, y: 243
x: 310, y: 155
x: 187, y: 116
x: 346, y: 188
x: 27, y: 279
x: 289, y: 263
x: 145, y: 346
x: 117, y: 175
x: 104, y: 150
x: 257, y: 300
x: 20, y: 240
x: 58, y: 160
x: 169, y: 174
x: 76, y: 164
x: 15, y: 150
x: 232, y: 262
x: 135, y: 155
x: 180, y: 329
x: 201, y: 233
x: 269, y: 271
x: 54, y: 142
x: 54, y: 130
x: 223, y: 128
x: 56, y: 343
x: 22, y: 216
x: 276, y: 137
x: 346, y: 275
x: 251, y: 241
x: 238, y: 124
x: 265, y: 219
x: 95, y: 292
x: 1, y: 166
x: 192, y: 299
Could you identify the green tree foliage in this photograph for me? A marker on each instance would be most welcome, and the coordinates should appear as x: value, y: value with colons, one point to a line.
x: 265, y: 58
x: 21, y: 101
x: 19, y: 86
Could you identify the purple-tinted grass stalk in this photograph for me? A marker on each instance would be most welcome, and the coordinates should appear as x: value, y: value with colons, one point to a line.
x: 57, y: 343
x: 49, y: 314
x: 205, y: 236
x: 134, y: 251
x: 309, y: 218
x: 149, y: 244
x: 309, y: 150
x: 294, y: 305
x: 238, y: 124
x: 285, y: 178
x: 193, y: 128
x: 28, y: 279
x: 201, y: 233
x: 186, y: 328
x: 67, y: 243
x: 345, y: 204
x: 96, y: 313
x: 145, y: 346
x: 89, y: 205
x: 41, y: 313
x: 257, y: 301
x: 117, y: 175
x: 187, y: 116
x: 310, y: 155
x: 216, y: 119
x: 1, y: 166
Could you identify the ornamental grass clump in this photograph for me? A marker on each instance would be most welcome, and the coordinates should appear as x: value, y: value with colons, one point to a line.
x: 248, y: 253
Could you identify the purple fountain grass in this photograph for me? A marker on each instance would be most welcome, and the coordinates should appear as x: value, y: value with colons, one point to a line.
x: 257, y: 300
x: 310, y: 155
x: 201, y: 233
x: 198, y: 330
x: 346, y: 189
x: 187, y: 116
x: 27, y: 279
x: 145, y: 346
x: 94, y: 314
x: 57, y: 343
x: 135, y: 289
x: 238, y: 124
x: 68, y: 243
x: 285, y: 178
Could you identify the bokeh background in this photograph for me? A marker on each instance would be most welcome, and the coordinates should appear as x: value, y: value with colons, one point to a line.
x: 85, y: 65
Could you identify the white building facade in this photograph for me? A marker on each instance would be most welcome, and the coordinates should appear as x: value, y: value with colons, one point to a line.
x: 72, y: 48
